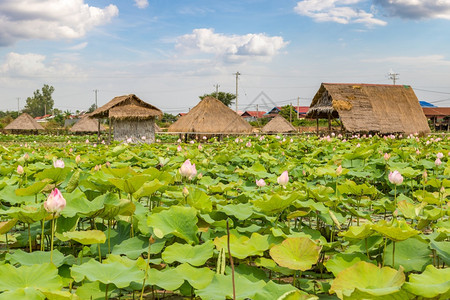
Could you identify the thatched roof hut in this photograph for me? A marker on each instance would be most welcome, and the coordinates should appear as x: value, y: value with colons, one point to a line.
x: 24, y: 124
x: 131, y: 118
x: 211, y: 116
x: 86, y: 125
x: 370, y: 108
x: 278, y: 125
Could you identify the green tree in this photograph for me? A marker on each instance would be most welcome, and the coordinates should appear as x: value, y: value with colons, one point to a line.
x: 41, y: 102
x: 225, y: 98
x: 92, y: 108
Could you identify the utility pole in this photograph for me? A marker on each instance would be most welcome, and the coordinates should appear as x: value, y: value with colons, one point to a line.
x: 290, y: 113
x: 298, y: 110
x: 96, y: 106
x: 217, y: 90
x: 393, y: 76
x: 237, y: 78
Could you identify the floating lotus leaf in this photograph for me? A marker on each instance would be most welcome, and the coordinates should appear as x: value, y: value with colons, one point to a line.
x: 242, y: 247
x: 431, y: 283
x: 7, y: 225
x: 35, y: 258
x: 42, y: 276
x: 87, y: 237
x: 33, y: 189
x: 342, y: 261
x: 185, y: 253
x: 358, y: 232
x: 177, y: 220
x: 395, y: 230
x: 115, y: 273
x: 368, y: 278
x: 412, y: 254
x: 298, y: 253
x: 221, y: 288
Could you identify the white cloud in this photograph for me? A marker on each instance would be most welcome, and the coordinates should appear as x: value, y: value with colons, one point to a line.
x: 426, y: 60
x: 232, y: 47
x: 141, y: 4
x: 49, y: 19
x: 78, y: 47
x: 339, y: 11
x: 417, y: 9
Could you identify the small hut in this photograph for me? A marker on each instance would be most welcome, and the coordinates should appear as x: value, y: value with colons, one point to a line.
x: 87, y: 125
x: 24, y: 124
x: 278, y: 125
x: 130, y: 117
x: 211, y: 116
x: 369, y: 108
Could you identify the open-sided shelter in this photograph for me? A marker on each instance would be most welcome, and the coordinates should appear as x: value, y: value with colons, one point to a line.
x: 211, y: 116
x: 86, y: 125
x: 373, y: 108
x: 24, y: 124
x: 130, y: 118
x: 278, y: 125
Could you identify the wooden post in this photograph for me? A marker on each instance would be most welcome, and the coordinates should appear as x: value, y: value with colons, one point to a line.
x: 317, y: 125
x: 98, y: 131
x: 329, y: 124
x: 109, y: 135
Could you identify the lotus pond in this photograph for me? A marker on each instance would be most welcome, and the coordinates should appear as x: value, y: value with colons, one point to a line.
x: 224, y: 220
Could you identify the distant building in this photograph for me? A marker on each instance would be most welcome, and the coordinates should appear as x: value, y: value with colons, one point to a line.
x: 252, y: 115
x: 438, y: 116
x: 301, y: 110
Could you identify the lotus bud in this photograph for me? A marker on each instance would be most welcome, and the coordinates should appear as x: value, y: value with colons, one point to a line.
x: 249, y: 144
x: 261, y: 183
x: 151, y: 240
x: 59, y: 163
x: 55, y: 202
x: 438, y: 162
x: 440, y: 155
x: 204, y: 137
x: 108, y: 164
x: 19, y: 170
x: 283, y: 179
x: 188, y: 170
x: 200, y: 147
x: 425, y: 175
x: 87, y: 141
x: 395, y: 213
x: 185, y: 192
x: 97, y: 167
x: 387, y: 156
x: 395, y: 177
x: 78, y: 159
x: 26, y: 156
x: 179, y: 148
x: 339, y: 170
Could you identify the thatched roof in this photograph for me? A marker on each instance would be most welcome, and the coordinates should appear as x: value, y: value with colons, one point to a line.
x: 211, y: 116
x: 278, y: 125
x: 87, y: 125
x: 370, y: 107
x: 132, y: 111
x: 24, y: 122
x: 123, y: 103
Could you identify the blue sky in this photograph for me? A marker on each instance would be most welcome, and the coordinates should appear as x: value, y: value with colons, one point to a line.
x: 169, y: 52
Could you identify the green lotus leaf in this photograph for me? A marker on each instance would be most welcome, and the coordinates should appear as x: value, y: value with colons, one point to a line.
x: 297, y: 253
x: 78, y: 204
x: 115, y: 273
x: 199, y: 200
x: 28, y: 214
x: 177, y: 220
x: 113, y: 206
x: 442, y: 250
x: 242, y: 246
x: 41, y: 276
x: 395, y: 230
x: 427, y: 197
x: 120, y: 172
x: 93, y: 290
x: 273, y: 290
x: 185, y: 253
x: 271, y: 265
x: 368, y: 278
x: 242, y: 211
x: 135, y: 246
x: 342, y: 261
x: 33, y: 189
x: 7, y: 225
x: 56, y: 175
x: 8, y: 194
x: 148, y: 188
x: 167, y: 279
x: 412, y: 254
x: 35, y: 258
x: 321, y: 193
x: 221, y: 288
x: 24, y: 293
x: 358, y: 232
x: 410, y: 210
x: 431, y: 283
x: 274, y: 204
x: 59, y: 295
x: 87, y: 237
x: 130, y: 185
x: 198, y: 278
x: 350, y: 187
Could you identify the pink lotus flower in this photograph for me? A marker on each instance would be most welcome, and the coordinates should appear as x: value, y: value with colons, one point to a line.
x: 339, y: 170
x: 179, y: 148
x: 249, y: 144
x: 200, y: 147
x: 55, y: 202
x: 387, y: 156
x: 438, y: 162
x: 395, y: 177
x: 19, y: 170
x: 78, y: 159
x: 188, y: 170
x: 59, y: 163
x: 261, y: 183
x: 440, y: 155
x: 283, y: 179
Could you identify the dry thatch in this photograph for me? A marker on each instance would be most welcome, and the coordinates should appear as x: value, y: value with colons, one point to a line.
x: 24, y: 123
x: 370, y: 108
x: 211, y: 116
x: 124, y: 102
x: 278, y: 125
x: 133, y: 112
x: 87, y: 125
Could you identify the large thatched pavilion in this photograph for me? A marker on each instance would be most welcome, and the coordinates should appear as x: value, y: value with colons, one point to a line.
x: 130, y: 118
x: 87, y: 125
x: 24, y: 124
x: 278, y: 125
x: 370, y: 108
x: 211, y: 116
